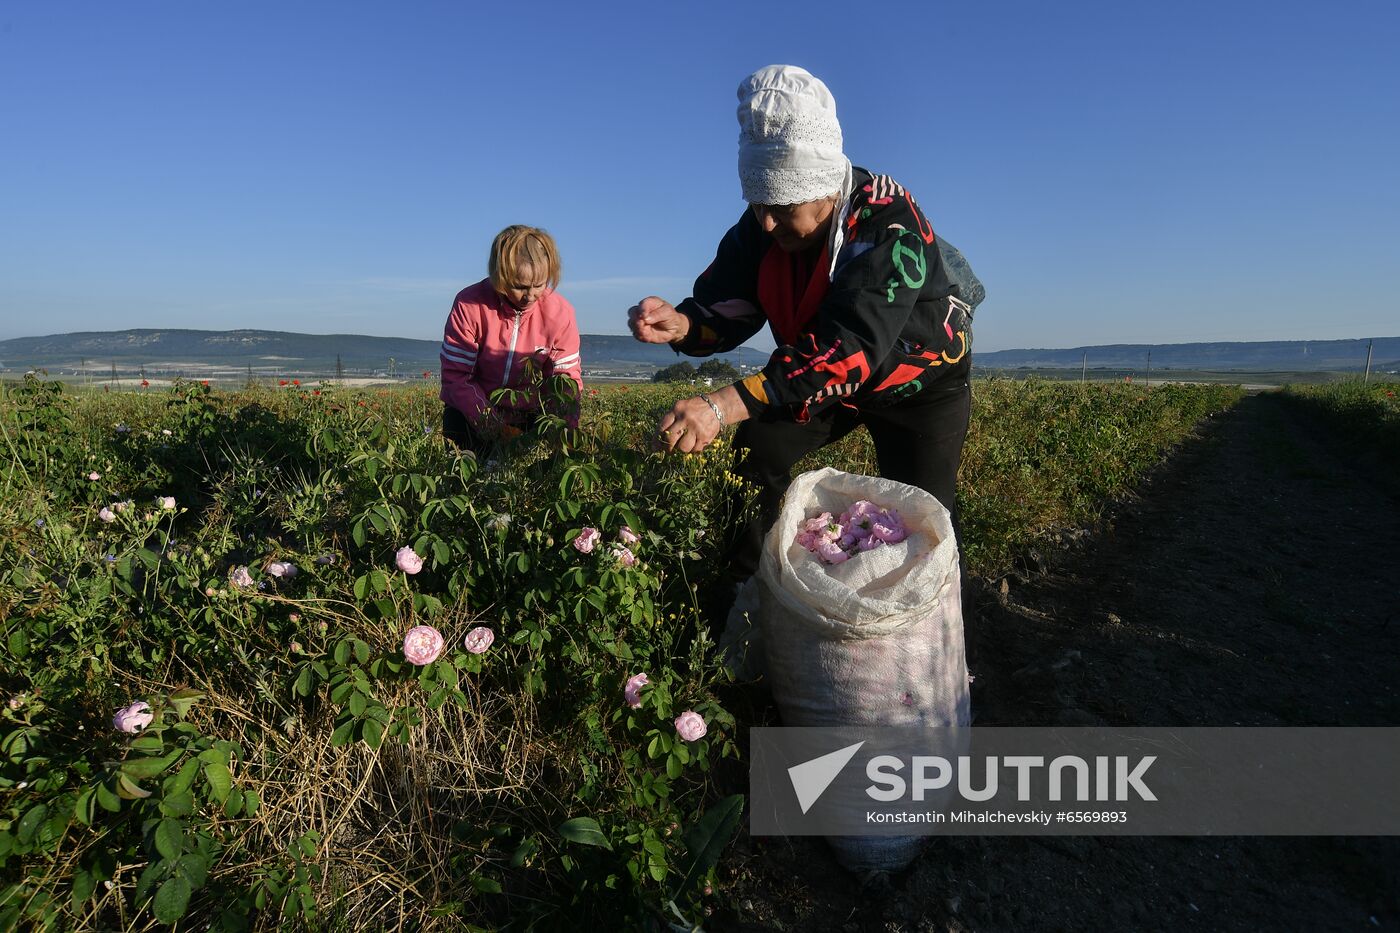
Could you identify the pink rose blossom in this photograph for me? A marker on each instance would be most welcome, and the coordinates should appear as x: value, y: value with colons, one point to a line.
x: 632, y: 690
x: 624, y: 556
x: 627, y: 536
x: 106, y: 514
x: 16, y: 701
x: 94, y: 476
x: 889, y: 528
x: 690, y: 726
x: 294, y: 617
x: 859, y: 512
x: 861, y: 527
x: 166, y: 502
x: 587, y: 539
x: 241, y: 577
x: 479, y: 639
x: 408, y: 561
x: 132, y: 719
x: 282, y: 569
x: 422, y: 645
x: 120, y: 507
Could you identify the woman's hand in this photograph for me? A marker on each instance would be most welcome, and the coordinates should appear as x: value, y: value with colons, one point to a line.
x: 692, y: 424
x: 654, y: 320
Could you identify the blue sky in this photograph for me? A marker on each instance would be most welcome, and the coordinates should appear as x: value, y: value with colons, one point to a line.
x: 1115, y: 172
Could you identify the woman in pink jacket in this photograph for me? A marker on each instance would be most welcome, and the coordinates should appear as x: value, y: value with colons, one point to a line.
x: 510, y: 331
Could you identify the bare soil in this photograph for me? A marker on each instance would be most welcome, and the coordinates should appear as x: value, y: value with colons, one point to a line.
x: 1252, y: 581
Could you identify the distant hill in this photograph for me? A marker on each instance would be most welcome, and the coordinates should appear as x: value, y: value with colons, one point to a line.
x: 228, y: 354
x: 1263, y: 356
x: 203, y: 352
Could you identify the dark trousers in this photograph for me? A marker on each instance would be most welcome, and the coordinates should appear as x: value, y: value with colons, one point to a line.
x: 918, y: 441
x: 457, y: 429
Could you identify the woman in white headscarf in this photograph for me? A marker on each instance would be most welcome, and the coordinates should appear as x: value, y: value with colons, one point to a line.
x: 842, y: 265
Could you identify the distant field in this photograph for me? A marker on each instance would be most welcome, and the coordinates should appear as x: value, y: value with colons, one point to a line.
x: 1206, y: 376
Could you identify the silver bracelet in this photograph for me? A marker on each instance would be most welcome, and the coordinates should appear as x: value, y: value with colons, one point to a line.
x: 714, y: 408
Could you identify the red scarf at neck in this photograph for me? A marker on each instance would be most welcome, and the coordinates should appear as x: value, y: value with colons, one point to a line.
x: 790, y: 289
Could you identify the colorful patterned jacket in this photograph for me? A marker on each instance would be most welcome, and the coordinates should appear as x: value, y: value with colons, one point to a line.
x: 880, y: 323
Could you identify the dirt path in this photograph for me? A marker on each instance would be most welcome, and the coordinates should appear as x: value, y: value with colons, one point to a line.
x: 1253, y: 582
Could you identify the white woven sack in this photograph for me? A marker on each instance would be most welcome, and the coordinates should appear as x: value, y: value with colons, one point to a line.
x: 877, y: 640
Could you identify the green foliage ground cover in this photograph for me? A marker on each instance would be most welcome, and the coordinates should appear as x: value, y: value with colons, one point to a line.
x: 296, y: 768
x: 1366, y: 413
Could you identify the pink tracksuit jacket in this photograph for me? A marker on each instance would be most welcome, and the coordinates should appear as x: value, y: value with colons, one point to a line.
x: 487, y: 344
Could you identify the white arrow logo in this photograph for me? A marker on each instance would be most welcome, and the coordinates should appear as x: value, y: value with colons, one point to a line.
x: 811, y: 778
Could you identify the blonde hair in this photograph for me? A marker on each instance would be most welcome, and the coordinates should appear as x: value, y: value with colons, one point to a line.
x: 517, y: 246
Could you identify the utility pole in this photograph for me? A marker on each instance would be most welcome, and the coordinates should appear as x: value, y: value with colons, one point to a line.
x: 1367, y: 377
x: 1149, y: 365
x: 339, y: 371
x: 1084, y: 373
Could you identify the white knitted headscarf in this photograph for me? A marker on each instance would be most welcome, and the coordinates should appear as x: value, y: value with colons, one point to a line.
x: 789, y: 138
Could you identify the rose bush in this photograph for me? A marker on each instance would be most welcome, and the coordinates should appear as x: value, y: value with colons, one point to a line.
x: 503, y: 776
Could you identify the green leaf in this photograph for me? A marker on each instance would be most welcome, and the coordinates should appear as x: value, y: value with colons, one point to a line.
x: 342, y: 733
x: 85, y: 808
x: 19, y: 645
x: 361, y: 587
x: 184, y: 779
x: 148, y: 557
x: 181, y: 804
x: 139, y: 769
x: 172, y: 899
x: 361, y: 651
x: 220, y: 780
x: 524, y: 853
x: 181, y: 700
x: 107, y: 799
x: 233, y: 805
x: 29, y: 823
x: 84, y: 883
x: 148, y: 743
x: 585, y: 831
x: 170, y: 838
x: 357, y: 704
x: 373, y: 732
x: 705, y: 841
x: 194, y: 866
x: 486, y: 885
x: 673, y: 767
x: 128, y: 789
